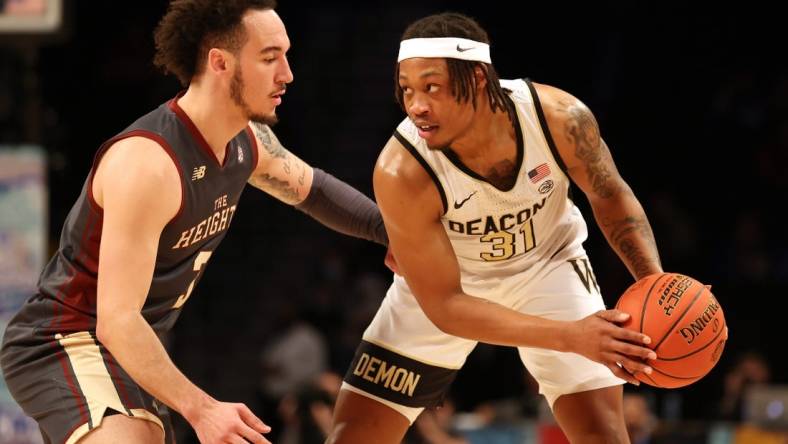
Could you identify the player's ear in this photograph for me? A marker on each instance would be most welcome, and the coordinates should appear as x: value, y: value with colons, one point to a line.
x: 480, y: 75
x: 219, y: 60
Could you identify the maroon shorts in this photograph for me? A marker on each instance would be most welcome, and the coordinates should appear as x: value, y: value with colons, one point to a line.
x: 68, y: 384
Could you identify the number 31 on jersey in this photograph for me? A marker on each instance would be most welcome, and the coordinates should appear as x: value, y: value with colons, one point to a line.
x: 505, y: 245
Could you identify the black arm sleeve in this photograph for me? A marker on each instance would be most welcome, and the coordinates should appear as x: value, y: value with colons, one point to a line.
x: 343, y: 208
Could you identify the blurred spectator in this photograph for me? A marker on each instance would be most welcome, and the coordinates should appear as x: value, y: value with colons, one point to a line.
x: 291, y: 362
x: 435, y: 426
x: 490, y: 422
x: 751, y: 368
x: 639, y: 417
x: 306, y: 414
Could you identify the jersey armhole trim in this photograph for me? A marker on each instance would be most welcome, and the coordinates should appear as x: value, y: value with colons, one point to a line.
x: 136, y: 133
x: 545, y: 129
x: 415, y: 153
x: 255, y: 149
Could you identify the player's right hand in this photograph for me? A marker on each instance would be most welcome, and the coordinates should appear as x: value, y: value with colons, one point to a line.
x: 623, y: 351
x: 224, y: 422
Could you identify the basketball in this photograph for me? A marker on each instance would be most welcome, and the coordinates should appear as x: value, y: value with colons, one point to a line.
x: 685, y: 323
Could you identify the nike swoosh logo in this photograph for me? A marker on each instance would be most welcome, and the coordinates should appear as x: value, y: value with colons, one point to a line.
x: 457, y: 206
x: 459, y: 49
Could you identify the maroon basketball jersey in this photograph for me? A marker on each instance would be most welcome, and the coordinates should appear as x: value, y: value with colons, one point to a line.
x: 66, y: 301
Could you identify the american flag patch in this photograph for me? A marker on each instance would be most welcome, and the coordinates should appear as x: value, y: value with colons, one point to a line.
x: 539, y: 173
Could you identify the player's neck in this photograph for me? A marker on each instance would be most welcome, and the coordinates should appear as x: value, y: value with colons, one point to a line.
x: 488, y: 132
x: 217, y: 120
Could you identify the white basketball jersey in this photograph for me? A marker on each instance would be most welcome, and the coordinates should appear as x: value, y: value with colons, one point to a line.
x: 497, y: 234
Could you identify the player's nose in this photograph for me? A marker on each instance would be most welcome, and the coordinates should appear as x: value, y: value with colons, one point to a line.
x: 418, y: 107
x: 285, y: 74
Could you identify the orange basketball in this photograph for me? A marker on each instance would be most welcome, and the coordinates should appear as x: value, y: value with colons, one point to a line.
x: 685, y: 323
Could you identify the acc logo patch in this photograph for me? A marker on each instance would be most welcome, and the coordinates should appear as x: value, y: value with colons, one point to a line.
x: 546, y: 186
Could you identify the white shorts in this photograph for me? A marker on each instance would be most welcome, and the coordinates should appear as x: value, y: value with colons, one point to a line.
x: 565, y: 290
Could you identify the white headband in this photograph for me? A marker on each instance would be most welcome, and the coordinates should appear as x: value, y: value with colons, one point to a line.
x: 448, y: 47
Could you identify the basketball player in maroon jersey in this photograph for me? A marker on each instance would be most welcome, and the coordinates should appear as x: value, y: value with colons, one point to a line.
x: 84, y: 356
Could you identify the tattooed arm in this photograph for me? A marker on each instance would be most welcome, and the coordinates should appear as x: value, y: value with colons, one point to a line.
x: 327, y: 199
x: 590, y: 165
x: 279, y: 172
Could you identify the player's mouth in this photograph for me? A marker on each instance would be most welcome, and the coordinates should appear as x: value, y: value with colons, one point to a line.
x: 426, y: 130
x: 277, y: 96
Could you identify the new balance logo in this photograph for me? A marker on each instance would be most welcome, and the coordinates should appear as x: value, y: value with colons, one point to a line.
x: 198, y: 173
x: 460, y: 49
x: 457, y: 206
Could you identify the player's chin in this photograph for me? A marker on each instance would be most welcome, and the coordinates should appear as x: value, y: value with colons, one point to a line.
x: 268, y: 107
x: 269, y: 119
x: 437, y: 145
x: 439, y: 140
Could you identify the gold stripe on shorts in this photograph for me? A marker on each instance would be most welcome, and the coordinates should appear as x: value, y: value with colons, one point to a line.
x: 95, y: 381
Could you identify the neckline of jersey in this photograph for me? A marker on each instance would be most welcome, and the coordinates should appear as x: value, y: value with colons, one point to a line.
x: 196, y: 134
x: 455, y: 160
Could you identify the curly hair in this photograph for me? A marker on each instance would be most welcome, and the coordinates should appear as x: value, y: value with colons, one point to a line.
x: 190, y: 28
x: 461, y: 72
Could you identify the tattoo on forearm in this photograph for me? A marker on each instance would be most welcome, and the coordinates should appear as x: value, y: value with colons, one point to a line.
x: 281, y: 189
x: 301, y: 177
x: 639, y: 263
x: 269, y: 140
x: 623, y: 235
x: 582, y: 130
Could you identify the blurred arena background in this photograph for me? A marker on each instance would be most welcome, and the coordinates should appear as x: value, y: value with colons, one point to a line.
x: 692, y: 102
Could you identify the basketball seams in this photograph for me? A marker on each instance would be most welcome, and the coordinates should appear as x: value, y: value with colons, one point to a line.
x: 653, y: 382
x: 645, y: 303
x: 684, y: 313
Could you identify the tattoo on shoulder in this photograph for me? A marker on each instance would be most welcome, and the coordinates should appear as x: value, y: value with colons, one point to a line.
x: 269, y: 140
x: 582, y: 130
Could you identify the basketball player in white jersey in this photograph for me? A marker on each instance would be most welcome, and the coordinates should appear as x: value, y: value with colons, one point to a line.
x: 474, y: 192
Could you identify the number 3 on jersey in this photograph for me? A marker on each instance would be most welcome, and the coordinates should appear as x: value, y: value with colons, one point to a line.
x: 199, y: 263
x: 504, y: 243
